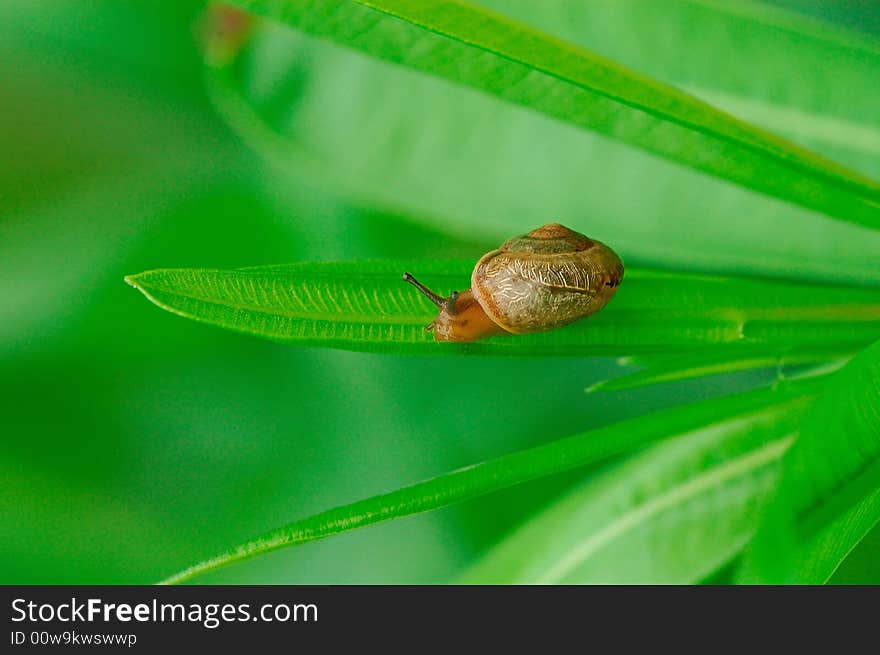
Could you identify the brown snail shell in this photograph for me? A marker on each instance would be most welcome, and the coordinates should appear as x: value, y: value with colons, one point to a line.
x: 540, y: 281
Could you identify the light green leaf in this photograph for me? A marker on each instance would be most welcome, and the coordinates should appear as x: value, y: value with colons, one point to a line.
x: 829, y: 494
x: 453, y: 157
x: 507, y: 470
x: 672, y: 515
x: 366, y: 306
x: 476, y: 47
x: 850, y: 139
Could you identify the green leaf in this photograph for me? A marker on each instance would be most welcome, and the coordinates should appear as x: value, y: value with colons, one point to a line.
x: 450, y: 156
x: 829, y: 493
x: 507, y: 470
x: 790, y: 74
x: 479, y: 48
x: 366, y: 306
x: 674, y: 368
x: 672, y: 515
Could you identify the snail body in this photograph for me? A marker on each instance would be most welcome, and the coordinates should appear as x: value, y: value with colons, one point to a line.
x: 540, y: 281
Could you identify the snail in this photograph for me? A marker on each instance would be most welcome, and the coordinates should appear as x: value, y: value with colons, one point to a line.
x: 540, y: 281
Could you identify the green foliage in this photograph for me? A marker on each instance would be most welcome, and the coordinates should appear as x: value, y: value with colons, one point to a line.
x: 685, y: 325
x: 749, y: 414
x: 674, y: 368
x: 366, y: 306
x: 466, y: 44
x: 727, y: 150
x: 829, y: 496
x: 453, y: 157
x: 672, y: 515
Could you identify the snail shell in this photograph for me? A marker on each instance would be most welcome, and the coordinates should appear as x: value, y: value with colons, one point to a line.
x: 543, y: 280
x: 548, y: 278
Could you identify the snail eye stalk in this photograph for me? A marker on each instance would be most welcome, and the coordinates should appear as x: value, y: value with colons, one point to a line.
x: 438, y: 300
x: 450, y: 303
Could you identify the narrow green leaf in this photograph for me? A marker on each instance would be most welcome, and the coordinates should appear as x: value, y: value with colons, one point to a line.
x: 387, y: 136
x: 829, y: 493
x: 718, y: 362
x: 479, y: 48
x: 366, y: 306
x: 790, y: 75
x: 507, y: 470
x: 672, y: 515
x: 851, y: 139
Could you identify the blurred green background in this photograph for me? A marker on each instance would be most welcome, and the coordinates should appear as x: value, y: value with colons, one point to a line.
x: 135, y: 442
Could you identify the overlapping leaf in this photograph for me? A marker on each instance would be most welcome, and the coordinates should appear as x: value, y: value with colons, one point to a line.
x: 672, y: 515
x: 740, y: 414
x: 791, y: 75
x: 479, y: 48
x: 461, y: 161
x: 829, y: 495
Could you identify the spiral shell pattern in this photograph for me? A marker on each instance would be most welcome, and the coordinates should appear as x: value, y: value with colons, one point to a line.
x: 545, y: 279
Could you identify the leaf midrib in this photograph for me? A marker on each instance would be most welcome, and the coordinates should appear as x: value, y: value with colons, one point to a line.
x: 729, y: 470
x: 326, y: 317
x: 852, y: 179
